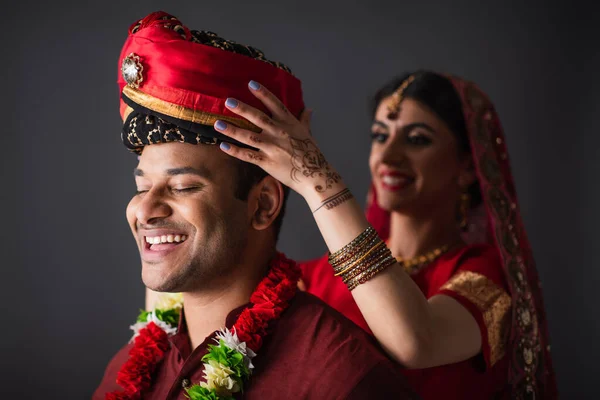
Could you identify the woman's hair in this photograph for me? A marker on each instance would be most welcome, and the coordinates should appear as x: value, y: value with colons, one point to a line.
x: 438, y: 94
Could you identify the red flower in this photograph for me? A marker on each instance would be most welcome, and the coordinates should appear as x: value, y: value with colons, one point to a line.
x: 269, y: 300
x: 135, y: 375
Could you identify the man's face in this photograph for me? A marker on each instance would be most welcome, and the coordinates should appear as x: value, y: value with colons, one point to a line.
x: 189, y: 227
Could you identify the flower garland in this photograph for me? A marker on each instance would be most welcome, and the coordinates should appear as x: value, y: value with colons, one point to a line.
x: 228, y: 364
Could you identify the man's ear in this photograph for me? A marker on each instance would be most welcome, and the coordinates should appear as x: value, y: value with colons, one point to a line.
x: 267, y: 200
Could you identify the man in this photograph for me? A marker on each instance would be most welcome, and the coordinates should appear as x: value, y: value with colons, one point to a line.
x: 206, y: 225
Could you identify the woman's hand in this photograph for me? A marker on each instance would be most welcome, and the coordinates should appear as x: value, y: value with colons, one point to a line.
x: 286, y: 149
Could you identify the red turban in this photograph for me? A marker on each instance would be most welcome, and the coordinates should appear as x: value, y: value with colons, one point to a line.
x: 174, y: 82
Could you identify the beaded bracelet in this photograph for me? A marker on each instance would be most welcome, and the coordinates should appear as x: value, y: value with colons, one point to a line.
x: 354, y: 254
x: 366, y: 234
x: 361, y: 259
x: 349, y: 266
x: 370, y: 274
x: 375, y: 259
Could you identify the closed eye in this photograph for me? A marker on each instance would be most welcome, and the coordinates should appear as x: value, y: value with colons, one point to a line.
x: 190, y: 189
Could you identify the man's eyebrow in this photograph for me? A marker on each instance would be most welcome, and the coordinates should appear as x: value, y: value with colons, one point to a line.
x: 202, y: 172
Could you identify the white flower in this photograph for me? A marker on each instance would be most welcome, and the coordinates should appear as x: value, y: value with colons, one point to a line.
x: 169, y: 330
x: 168, y: 301
x: 218, y: 378
x: 136, y: 328
x: 232, y: 341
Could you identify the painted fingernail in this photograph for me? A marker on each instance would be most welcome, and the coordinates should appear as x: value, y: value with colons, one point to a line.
x: 231, y: 103
x: 224, y: 146
x: 220, y: 125
x: 254, y: 85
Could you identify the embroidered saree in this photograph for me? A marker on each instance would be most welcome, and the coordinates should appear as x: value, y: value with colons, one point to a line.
x: 494, y: 277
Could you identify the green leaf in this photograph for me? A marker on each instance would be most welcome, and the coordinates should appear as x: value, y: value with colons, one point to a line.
x: 143, y: 317
x: 171, y: 316
x: 230, y: 358
x: 197, y: 392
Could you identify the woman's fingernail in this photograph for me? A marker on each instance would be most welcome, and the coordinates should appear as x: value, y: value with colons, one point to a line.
x: 254, y: 85
x: 224, y: 146
x: 231, y: 103
x: 220, y: 125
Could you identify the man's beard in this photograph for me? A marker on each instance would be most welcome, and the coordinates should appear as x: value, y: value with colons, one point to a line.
x: 210, y: 263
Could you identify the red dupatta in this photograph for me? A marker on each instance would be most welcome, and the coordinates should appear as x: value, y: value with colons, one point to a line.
x: 498, y: 221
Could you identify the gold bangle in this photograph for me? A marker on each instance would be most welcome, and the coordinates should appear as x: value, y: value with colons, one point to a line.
x: 367, y: 232
x: 375, y: 258
x: 341, y: 264
x: 369, y: 275
x: 378, y: 245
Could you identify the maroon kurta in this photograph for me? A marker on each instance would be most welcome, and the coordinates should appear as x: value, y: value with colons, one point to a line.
x: 312, y: 352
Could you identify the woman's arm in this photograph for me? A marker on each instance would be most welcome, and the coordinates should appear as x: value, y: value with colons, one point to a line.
x: 414, y: 331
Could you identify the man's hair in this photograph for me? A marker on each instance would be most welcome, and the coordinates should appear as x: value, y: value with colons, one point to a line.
x: 249, y: 175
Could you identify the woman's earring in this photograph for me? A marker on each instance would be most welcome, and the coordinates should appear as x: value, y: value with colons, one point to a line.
x: 465, y: 204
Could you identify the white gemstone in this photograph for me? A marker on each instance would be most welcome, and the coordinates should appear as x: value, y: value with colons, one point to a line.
x: 130, y: 71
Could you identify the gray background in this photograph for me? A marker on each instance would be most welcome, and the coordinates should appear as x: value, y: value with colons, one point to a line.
x: 70, y: 270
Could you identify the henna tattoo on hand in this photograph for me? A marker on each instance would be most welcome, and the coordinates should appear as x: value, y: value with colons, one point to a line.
x: 308, y: 160
x: 266, y: 120
x: 335, y: 200
x: 254, y: 156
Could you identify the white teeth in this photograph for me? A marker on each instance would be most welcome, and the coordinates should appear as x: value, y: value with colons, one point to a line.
x: 389, y: 180
x: 165, y: 239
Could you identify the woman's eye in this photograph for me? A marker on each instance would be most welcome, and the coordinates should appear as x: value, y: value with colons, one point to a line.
x: 379, y: 137
x: 140, y: 191
x: 418, y: 139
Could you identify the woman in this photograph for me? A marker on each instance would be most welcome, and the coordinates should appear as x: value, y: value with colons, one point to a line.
x: 461, y: 309
x: 488, y: 253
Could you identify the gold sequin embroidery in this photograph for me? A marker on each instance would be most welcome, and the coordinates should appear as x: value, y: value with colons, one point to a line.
x: 493, y: 302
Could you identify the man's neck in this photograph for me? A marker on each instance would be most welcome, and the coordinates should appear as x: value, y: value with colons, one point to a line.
x: 206, y: 311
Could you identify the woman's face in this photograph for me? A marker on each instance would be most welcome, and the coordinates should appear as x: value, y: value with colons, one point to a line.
x: 415, y: 160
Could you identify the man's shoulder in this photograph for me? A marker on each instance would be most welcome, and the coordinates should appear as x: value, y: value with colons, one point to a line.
x: 312, y: 343
x: 322, y: 326
x: 307, y: 305
x: 109, y: 380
